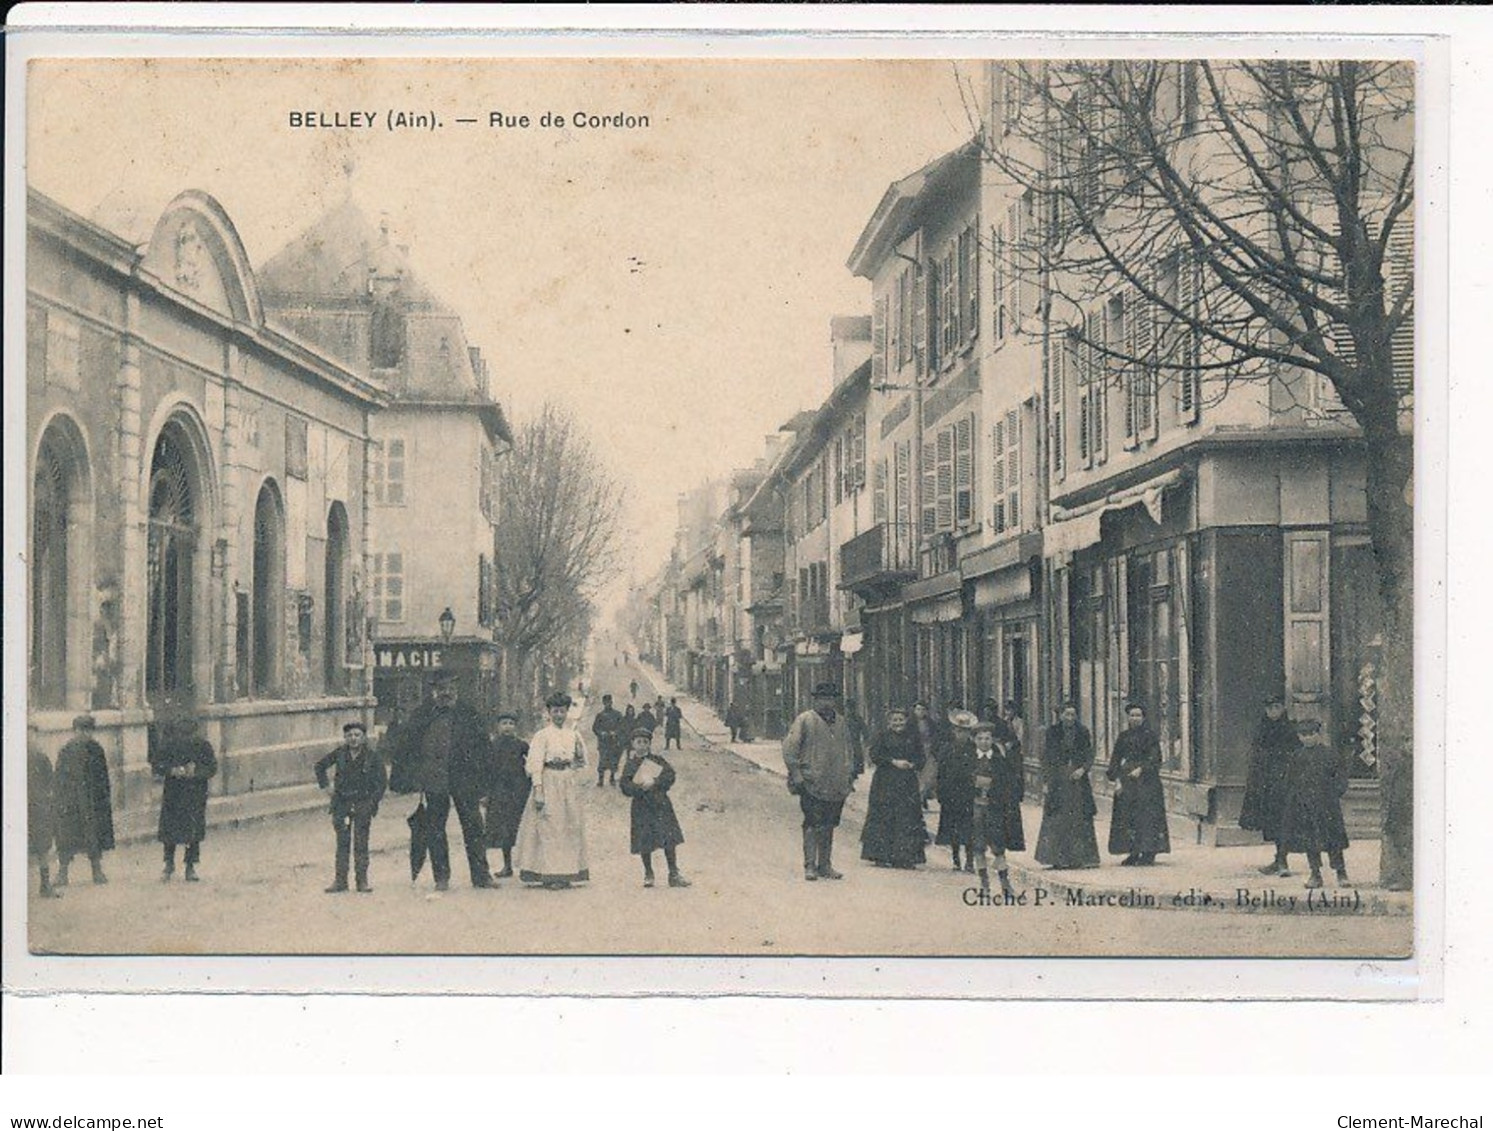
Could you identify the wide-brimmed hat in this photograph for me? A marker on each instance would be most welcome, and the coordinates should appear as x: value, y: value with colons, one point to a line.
x: 963, y: 719
x: 826, y: 691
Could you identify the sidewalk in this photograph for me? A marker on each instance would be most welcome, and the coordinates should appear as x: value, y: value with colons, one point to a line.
x: 1190, y: 876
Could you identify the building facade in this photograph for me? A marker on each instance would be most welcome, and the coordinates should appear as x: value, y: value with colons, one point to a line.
x: 434, y: 495
x: 198, y: 507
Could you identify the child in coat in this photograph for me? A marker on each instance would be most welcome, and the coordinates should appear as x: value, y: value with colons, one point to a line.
x: 1311, y: 819
x: 647, y: 778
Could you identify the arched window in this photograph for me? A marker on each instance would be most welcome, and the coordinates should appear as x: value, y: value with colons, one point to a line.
x: 172, y: 547
x: 269, y: 591
x: 59, y: 569
x: 334, y: 600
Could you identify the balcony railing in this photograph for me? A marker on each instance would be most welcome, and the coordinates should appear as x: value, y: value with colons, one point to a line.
x: 883, y: 555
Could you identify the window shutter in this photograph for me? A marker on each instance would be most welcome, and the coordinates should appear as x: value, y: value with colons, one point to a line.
x: 1099, y: 371
x: 878, y: 341
x: 945, y: 480
x: 918, y: 346
x: 878, y: 493
x: 1400, y: 273
x: 894, y: 327
x: 972, y: 273
x: 998, y: 474
x: 903, y: 488
x: 1017, y: 264
x: 930, y: 488
x: 950, y: 302
x: 1189, y: 380
x: 998, y: 280
x: 1058, y: 354
x: 933, y: 315
x: 964, y: 471
x: 1132, y: 373
x: 1143, y: 337
x: 1013, y: 469
x: 839, y: 467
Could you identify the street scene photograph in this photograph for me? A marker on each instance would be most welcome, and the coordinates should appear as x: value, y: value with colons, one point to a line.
x: 899, y: 508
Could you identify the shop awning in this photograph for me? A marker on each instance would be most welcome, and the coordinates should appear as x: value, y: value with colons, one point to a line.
x: 1077, y: 528
x: 1005, y: 587
x: 945, y: 609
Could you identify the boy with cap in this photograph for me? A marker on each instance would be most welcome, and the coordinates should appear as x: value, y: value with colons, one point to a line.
x: 1311, y: 819
x: 998, y: 788
x: 358, y: 788
x: 85, y: 816
x: 510, y: 789
x: 647, y: 778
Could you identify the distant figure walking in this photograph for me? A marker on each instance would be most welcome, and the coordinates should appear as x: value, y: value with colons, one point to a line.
x: 673, y: 725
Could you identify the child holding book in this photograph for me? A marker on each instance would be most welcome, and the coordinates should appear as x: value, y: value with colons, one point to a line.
x: 647, y: 778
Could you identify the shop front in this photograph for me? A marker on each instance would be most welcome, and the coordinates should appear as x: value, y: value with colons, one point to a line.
x: 404, y: 669
x: 1004, y: 589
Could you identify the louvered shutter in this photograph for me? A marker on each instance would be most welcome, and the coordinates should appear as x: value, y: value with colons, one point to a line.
x: 1400, y: 280
x: 998, y: 281
x: 919, y: 319
x: 950, y: 302
x: 860, y: 450
x: 1014, y: 281
x: 1014, y: 475
x: 964, y: 472
x: 945, y: 480
x: 1057, y: 417
x: 1143, y: 335
x: 1099, y: 371
x: 930, y: 488
x: 878, y: 493
x: 903, y: 487
x: 933, y: 314
x: 1189, y: 378
x: 894, y: 325
x: 972, y: 274
x: 998, y: 474
x: 878, y: 341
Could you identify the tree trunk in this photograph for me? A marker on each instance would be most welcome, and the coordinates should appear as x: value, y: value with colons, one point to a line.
x: 1391, y: 525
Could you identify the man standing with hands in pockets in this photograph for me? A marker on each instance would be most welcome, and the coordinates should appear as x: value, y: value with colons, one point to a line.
x: 822, y: 764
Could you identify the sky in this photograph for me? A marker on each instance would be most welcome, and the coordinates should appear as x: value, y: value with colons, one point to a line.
x: 672, y: 286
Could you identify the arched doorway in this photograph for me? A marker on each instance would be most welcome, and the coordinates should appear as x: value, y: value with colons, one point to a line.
x: 334, y: 600
x: 173, y: 546
x: 268, y: 601
x: 60, y: 582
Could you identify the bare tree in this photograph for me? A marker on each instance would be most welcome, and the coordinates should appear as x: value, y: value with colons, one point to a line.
x: 559, y: 540
x: 1257, y: 217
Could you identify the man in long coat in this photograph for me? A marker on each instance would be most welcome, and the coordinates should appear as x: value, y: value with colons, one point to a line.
x: 1137, y: 824
x: 443, y: 753
x: 85, y: 814
x: 1264, y: 789
x: 185, y: 763
x: 607, y: 727
x: 822, y: 768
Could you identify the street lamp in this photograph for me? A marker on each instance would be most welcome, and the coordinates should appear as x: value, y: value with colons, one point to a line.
x: 448, y: 624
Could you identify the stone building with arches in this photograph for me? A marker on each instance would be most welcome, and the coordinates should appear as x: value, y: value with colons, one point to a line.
x: 197, y: 508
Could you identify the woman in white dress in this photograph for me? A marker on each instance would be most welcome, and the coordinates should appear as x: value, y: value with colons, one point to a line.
x: 551, y: 848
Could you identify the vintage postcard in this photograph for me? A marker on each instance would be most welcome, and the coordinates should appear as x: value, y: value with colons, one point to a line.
x: 944, y: 506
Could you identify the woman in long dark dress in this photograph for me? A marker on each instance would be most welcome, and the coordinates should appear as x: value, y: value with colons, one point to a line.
x: 1265, y: 787
x: 893, y: 835
x: 509, y: 791
x: 956, y: 790
x: 185, y: 762
x: 1066, y: 839
x: 1137, y: 823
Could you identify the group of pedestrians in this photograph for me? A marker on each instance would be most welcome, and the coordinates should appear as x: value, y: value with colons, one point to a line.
x: 70, y: 807
x: 614, y: 730
x: 974, y: 767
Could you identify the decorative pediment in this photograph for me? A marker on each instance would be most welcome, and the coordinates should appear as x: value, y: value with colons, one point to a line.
x: 196, y: 251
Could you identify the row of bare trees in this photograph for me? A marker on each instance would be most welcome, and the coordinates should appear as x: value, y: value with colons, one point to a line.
x: 1261, y: 216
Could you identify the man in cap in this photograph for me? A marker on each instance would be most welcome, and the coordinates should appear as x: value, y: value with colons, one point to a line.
x: 443, y: 753
x: 357, y: 788
x: 85, y: 815
x: 610, y: 738
x: 822, y: 767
